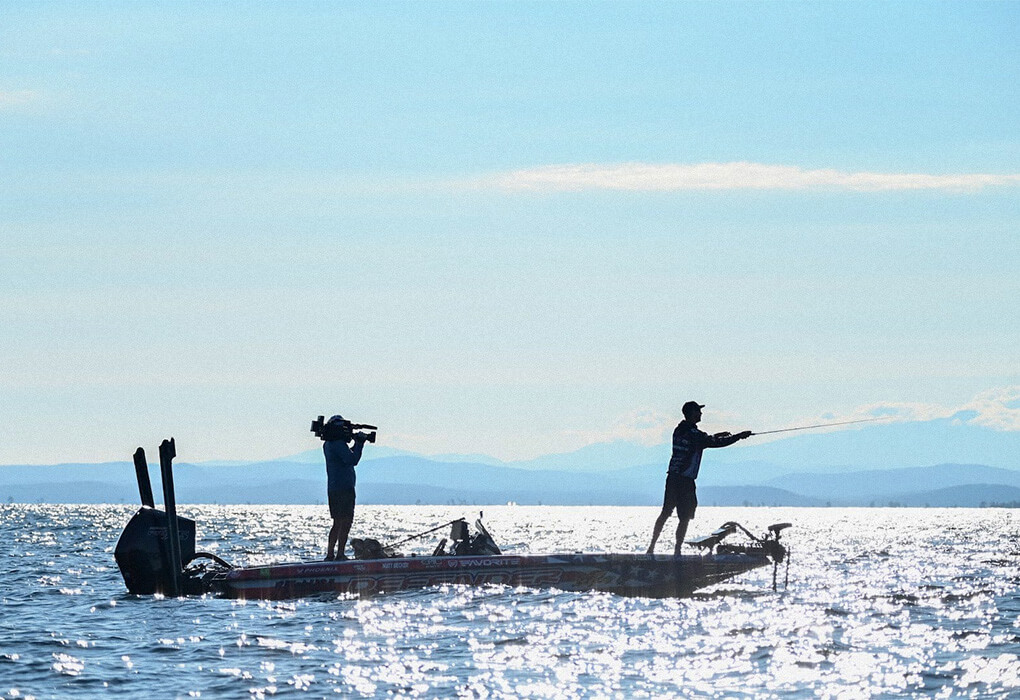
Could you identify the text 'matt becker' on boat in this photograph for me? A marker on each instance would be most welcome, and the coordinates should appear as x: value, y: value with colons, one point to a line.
x: 684, y: 464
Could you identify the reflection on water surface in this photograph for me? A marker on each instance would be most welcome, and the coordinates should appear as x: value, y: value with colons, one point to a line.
x: 881, y: 601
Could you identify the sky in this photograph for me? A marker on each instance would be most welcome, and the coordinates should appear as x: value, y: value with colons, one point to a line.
x: 511, y: 228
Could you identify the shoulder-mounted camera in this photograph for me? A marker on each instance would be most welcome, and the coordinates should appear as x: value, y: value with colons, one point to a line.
x: 341, y: 430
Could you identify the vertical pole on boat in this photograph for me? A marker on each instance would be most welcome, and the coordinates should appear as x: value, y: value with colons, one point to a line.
x: 142, y: 475
x: 167, y: 452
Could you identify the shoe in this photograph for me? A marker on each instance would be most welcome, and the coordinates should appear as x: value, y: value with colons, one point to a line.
x: 329, y: 557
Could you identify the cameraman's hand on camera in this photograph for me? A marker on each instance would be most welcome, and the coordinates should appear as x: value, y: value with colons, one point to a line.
x: 360, y: 437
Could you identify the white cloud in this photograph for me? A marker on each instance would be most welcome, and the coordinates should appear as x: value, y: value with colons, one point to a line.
x: 643, y: 426
x: 998, y: 409
x: 674, y: 177
x: 17, y: 98
x: 904, y: 412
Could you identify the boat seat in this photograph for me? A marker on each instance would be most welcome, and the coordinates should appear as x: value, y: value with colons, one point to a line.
x: 717, y: 536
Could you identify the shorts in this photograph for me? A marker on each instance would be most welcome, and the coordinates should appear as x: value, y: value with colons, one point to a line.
x: 680, y: 494
x: 341, y: 504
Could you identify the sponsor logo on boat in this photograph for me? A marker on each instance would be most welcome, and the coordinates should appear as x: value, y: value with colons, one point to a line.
x: 460, y: 563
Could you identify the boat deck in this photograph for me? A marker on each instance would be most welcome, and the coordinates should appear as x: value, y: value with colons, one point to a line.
x: 651, y: 575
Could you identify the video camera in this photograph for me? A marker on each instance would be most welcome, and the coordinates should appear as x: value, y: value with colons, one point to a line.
x: 343, y: 430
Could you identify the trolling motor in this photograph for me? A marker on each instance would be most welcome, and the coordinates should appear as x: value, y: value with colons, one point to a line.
x: 767, y: 546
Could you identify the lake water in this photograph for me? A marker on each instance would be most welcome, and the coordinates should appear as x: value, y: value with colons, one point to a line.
x: 890, y: 602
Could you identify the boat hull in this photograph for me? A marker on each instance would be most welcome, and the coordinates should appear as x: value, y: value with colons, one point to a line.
x: 623, y: 574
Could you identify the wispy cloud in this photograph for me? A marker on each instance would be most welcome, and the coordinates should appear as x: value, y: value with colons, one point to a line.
x: 10, y: 99
x: 675, y: 177
x: 998, y: 409
x: 643, y: 426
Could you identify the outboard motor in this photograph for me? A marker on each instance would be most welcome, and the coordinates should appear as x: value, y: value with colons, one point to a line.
x: 143, y: 551
x: 155, y: 545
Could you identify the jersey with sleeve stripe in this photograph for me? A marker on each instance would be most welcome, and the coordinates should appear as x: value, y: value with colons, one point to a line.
x: 688, y: 444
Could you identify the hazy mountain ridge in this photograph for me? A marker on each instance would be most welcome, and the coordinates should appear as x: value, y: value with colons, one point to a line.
x: 800, y: 470
x: 403, y: 480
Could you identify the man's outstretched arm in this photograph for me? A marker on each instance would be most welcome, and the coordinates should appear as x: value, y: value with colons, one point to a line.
x: 726, y: 439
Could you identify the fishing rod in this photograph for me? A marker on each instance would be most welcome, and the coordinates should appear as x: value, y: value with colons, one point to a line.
x: 422, y: 534
x: 819, y: 425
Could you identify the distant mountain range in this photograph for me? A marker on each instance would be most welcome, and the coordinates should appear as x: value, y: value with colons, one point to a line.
x: 909, y: 464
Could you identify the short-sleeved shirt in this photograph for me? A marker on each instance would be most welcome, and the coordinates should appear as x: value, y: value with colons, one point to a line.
x: 340, y: 463
x: 688, y: 444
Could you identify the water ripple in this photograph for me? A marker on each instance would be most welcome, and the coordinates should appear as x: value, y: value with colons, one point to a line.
x: 881, y: 602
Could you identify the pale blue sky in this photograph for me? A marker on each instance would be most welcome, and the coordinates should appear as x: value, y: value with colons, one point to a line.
x: 511, y: 228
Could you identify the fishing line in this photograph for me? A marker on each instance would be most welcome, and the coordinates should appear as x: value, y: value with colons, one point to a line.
x: 819, y: 425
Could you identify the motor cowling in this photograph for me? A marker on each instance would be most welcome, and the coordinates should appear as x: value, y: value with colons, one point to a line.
x: 143, y: 551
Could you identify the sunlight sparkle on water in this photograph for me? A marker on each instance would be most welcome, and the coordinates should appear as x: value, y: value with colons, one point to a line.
x: 881, y: 601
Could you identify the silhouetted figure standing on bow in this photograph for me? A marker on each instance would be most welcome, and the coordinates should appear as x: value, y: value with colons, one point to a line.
x: 340, y: 462
x: 681, y: 494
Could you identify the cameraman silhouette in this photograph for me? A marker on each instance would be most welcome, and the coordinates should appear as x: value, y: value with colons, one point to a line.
x: 341, y: 459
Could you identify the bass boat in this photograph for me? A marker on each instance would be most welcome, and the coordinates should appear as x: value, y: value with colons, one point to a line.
x: 157, y: 553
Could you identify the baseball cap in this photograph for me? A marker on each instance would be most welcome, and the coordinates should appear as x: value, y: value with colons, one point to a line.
x: 692, y: 406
